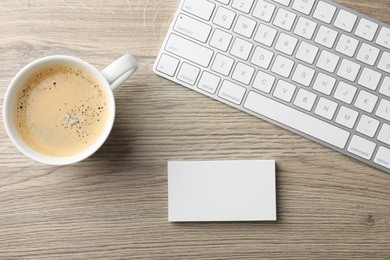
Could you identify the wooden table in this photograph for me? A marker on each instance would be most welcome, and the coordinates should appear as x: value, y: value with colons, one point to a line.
x: 114, y: 204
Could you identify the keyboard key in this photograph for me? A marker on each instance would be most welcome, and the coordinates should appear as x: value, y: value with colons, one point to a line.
x: 383, y: 109
x: 282, y: 66
x: 326, y: 36
x: 209, y: 82
x: 243, y: 73
x: 303, y: 6
x: 347, y: 45
x: 326, y: 108
x: 303, y: 75
x: 221, y: 40
x: 244, y: 26
x: 284, y: 19
x: 383, y: 38
x: 305, y: 28
x: 284, y: 90
x: 241, y: 48
x: 283, y: 2
x: 324, y: 12
x: 199, y: 8
x: 232, y: 92
x: 265, y: 35
x: 192, y: 28
x: 243, y: 5
x: 188, y: 73
x: 366, y: 29
x: 346, y: 117
x: 328, y: 61
x: 224, y: 17
x: 226, y: 2
x: 324, y: 83
x: 286, y: 44
x: 384, y: 62
x: 263, y: 81
x: 384, y: 134
x: 305, y: 99
x: 367, y: 126
x: 222, y: 64
x: 262, y: 57
x: 383, y: 157
x: 189, y: 50
x: 296, y: 120
x: 307, y: 52
x: 345, y: 92
x: 264, y: 10
x: 345, y: 20
x: 368, y: 54
x: 361, y: 147
x: 369, y: 79
x: 348, y: 70
x: 167, y: 65
x: 385, y: 87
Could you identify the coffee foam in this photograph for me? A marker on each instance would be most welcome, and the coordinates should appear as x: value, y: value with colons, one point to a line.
x: 61, y: 111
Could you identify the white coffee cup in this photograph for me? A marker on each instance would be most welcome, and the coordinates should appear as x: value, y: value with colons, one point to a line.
x: 109, y: 78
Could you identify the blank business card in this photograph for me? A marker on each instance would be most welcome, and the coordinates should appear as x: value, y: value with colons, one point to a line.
x: 221, y: 191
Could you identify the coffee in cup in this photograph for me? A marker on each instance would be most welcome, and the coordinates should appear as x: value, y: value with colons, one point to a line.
x: 60, y: 109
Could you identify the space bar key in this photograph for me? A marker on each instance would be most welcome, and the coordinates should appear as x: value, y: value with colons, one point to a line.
x: 297, y: 120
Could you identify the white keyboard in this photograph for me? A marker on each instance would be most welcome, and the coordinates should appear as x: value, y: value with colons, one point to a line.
x: 313, y: 67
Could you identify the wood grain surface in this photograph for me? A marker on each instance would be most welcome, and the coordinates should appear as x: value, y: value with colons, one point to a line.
x: 114, y: 204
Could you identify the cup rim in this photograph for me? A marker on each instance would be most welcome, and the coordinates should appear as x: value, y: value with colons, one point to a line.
x: 12, y: 91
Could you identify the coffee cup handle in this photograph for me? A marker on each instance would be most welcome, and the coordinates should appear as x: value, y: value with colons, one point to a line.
x: 120, y: 70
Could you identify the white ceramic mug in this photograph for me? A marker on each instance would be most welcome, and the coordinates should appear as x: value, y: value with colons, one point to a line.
x: 109, y: 78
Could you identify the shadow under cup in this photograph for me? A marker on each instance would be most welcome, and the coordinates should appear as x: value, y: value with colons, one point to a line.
x: 75, y: 116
